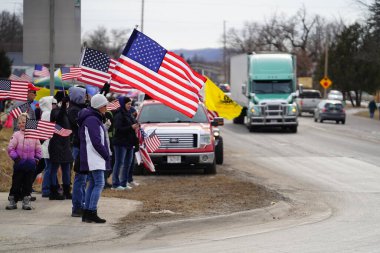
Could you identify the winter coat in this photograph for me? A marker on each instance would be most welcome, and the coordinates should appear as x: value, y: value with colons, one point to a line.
x: 59, y: 146
x: 372, y: 106
x: 94, y: 152
x: 123, y: 120
x: 77, y: 97
x: 24, y: 148
x: 46, y: 107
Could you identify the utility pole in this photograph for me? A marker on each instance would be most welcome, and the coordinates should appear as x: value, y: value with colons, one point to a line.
x: 51, y: 47
x: 142, y: 16
x: 224, y: 52
x: 326, y: 61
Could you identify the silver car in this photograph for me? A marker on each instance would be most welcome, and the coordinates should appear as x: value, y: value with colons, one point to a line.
x: 330, y: 110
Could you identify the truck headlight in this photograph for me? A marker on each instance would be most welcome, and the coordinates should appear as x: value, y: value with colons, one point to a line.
x: 292, y: 110
x: 205, y: 139
x: 255, y: 110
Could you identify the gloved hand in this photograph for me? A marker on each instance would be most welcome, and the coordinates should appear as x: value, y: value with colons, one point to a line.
x: 105, y: 89
x: 107, y: 124
x: 64, y: 101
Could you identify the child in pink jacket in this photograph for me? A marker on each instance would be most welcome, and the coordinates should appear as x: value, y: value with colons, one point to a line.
x: 25, y: 153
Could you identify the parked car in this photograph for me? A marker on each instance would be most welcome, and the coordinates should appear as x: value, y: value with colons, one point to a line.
x: 185, y: 142
x: 335, y: 95
x: 330, y: 110
x: 307, y: 101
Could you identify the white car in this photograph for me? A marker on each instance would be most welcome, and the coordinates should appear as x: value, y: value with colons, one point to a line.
x: 335, y: 95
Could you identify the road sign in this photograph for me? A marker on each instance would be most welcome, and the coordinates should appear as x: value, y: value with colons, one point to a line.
x: 325, y: 82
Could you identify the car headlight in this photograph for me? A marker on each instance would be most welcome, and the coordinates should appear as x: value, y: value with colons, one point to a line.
x: 216, y: 132
x: 205, y: 139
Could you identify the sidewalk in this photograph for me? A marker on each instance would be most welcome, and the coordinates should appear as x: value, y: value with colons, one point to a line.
x: 51, y: 224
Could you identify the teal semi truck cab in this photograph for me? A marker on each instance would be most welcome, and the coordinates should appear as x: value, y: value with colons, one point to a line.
x: 264, y: 85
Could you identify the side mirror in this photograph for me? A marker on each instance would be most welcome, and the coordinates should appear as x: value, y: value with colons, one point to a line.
x: 217, y: 121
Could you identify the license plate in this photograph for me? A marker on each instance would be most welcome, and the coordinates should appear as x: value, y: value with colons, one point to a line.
x: 174, y: 159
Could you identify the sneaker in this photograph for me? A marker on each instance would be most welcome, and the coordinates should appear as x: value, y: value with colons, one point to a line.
x: 127, y: 188
x: 133, y: 183
x: 119, y: 188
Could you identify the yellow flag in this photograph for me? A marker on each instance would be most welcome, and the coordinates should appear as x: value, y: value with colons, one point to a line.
x: 216, y: 100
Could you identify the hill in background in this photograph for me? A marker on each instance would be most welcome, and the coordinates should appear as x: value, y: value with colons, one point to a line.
x: 205, y: 54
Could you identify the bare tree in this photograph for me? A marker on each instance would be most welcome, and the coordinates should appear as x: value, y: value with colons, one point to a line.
x: 11, y: 31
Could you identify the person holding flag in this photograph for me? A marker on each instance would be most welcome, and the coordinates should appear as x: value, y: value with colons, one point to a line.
x: 26, y: 154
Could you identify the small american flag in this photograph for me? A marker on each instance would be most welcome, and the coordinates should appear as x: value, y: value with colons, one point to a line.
x: 26, y: 78
x: 147, y: 162
x: 62, y: 131
x: 40, y: 71
x: 152, y: 142
x: 163, y: 75
x: 17, y: 90
x: 39, y: 129
x: 114, y: 105
x: 96, y: 70
x: 212, y: 114
x: 14, y: 77
x: 18, y: 110
x: 71, y: 72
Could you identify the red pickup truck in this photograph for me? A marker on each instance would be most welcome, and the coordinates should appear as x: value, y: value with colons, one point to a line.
x: 185, y: 142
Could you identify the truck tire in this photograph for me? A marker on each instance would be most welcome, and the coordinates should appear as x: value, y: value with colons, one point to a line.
x: 219, y: 151
x: 210, y: 169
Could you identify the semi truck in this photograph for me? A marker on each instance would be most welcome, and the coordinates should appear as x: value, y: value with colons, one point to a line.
x: 264, y: 84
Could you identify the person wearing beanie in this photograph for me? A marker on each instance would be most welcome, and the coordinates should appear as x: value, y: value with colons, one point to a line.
x: 94, y: 153
x: 124, y: 141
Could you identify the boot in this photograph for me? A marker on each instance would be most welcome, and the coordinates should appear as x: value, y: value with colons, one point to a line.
x: 67, y: 191
x: 26, y: 203
x: 77, y: 212
x: 12, y: 203
x: 54, y: 195
x: 84, y: 215
x: 92, y: 216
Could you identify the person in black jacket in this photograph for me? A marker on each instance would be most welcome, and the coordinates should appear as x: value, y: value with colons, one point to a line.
x: 124, y: 141
x: 77, y: 97
x: 60, y: 152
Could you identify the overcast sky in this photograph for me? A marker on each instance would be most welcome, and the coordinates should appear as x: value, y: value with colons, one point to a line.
x: 193, y: 24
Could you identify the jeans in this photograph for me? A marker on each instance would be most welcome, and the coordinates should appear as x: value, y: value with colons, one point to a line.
x: 94, y: 189
x: 46, y: 178
x: 79, y: 187
x: 123, y: 161
x: 65, y: 167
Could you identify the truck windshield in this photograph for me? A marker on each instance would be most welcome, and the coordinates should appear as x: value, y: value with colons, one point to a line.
x: 159, y: 113
x: 272, y: 86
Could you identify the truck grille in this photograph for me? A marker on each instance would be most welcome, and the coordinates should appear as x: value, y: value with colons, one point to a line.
x: 274, y: 110
x: 177, y: 141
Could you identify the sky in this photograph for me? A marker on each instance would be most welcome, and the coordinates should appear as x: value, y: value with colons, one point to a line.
x: 195, y: 24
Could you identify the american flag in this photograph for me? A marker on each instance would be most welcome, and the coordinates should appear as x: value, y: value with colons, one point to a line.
x: 165, y: 76
x: 18, y: 110
x: 62, y: 131
x: 152, y: 142
x: 17, y: 90
x: 39, y: 129
x: 40, y: 71
x: 96, y: 70
x: 71, y: 72
x: 147, y: 162
x: 114, y: 105
x: 25, y: 77
x: 212, y: 114
x: 14, y: 77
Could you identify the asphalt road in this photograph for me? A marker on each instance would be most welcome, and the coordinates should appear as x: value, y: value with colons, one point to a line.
x: 329, y: 173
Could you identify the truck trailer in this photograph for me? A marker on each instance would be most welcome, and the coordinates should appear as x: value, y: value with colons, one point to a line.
x: 264, y: 85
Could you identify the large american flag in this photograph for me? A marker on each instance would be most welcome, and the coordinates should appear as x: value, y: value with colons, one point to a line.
x: 71, y: 72
x: 10, y: 89
x: 165, y: 76
x: 19, y: 109
x: 39, y: 129
x: 62, y: 131
x: 96, y: 70
x: 40, y: 71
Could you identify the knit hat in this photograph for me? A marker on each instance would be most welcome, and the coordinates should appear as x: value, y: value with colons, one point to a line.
x: 98, y: 101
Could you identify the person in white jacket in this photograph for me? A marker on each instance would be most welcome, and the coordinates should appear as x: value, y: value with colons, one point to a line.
x: 46, y: 105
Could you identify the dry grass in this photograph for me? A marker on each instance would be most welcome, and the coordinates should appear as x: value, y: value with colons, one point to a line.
x: 365, y: 114
x: 5, y: 162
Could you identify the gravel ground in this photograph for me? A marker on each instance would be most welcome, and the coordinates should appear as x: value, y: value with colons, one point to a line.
x: 170, y: 197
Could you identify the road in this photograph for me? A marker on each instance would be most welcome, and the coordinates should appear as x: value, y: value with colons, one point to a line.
x: 329, y: 175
